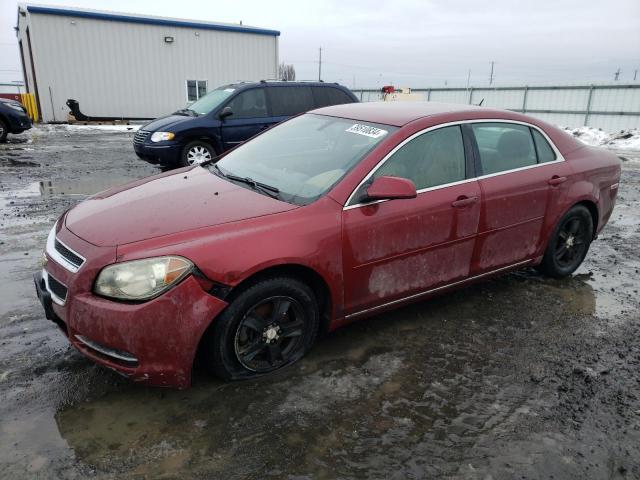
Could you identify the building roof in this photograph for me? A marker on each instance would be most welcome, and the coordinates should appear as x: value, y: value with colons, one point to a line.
x: 144, y: 19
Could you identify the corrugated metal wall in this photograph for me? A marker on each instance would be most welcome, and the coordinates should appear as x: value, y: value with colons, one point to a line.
x: 609, y: 107
x: 125, y: 69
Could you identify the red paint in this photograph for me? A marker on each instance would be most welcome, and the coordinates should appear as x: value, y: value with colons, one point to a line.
x: 367, y: 256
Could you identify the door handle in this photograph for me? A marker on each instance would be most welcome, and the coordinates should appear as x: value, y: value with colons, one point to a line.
x: 464, y: 201
x: 556, y: 180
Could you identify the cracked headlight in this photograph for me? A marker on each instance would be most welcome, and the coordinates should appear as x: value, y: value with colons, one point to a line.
x: 162, y: 136
x: 141, y: 279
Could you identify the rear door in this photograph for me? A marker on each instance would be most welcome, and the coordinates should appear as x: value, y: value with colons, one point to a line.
x: 250, y: 116
x: 397, y: 248
x: 520, y: 177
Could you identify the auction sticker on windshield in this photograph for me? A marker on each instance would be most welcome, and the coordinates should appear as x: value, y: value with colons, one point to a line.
x: 366, y: 130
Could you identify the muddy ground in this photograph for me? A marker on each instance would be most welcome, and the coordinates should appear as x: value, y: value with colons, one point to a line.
x: 518, y: 377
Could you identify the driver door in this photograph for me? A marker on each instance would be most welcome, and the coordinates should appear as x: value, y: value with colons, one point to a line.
x: 398, y: 248
x: 250, y: 117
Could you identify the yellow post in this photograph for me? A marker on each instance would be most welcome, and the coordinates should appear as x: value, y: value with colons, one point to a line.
x: 29, y: 102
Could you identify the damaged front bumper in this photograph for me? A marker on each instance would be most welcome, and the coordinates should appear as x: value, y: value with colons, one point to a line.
x: 154, y: 342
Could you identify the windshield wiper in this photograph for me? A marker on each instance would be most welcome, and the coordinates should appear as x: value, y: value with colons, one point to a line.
x: 187, y: 112
x: 269, y: 190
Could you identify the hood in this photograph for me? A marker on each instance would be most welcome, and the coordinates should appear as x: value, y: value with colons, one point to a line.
x: 163, y: 123
x: 173, y: 202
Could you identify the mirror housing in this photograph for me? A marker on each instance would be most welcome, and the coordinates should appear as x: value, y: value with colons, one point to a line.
x: 226, y: 112
x: 389, y: 188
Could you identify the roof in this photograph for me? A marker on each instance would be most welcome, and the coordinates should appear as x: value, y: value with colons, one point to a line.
x: 396, y: 113
x: 144, y: 19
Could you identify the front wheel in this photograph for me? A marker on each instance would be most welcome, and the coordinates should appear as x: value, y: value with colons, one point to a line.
x: 194, y: 153
x: 569, y: 244
x: 270, y: 325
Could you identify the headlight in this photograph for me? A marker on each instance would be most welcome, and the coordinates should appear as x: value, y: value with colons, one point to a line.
x: 16, y: 106
x: 141, y: 279
x: 162, y: 136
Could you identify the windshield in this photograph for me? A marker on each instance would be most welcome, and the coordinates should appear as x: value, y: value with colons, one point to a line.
x: 212, y: 100
x: 304, y: 157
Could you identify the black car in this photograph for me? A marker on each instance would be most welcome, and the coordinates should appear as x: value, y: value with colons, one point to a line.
x: 13, y: 118
x: 229, y: 115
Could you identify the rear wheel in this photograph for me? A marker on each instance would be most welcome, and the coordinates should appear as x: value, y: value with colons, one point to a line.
x: 270, y: 325
x: 569, y: 244
x: 4, y: 130
x: 194, y: 153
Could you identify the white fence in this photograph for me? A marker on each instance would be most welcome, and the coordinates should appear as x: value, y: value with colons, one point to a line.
x: 609, y: 107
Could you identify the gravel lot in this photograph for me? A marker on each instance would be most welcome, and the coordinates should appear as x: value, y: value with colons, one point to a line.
x: 518, y: 377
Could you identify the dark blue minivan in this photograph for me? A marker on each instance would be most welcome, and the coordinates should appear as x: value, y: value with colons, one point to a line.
x: 229, y: 115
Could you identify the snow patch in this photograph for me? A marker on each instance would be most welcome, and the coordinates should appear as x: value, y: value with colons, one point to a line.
x: 623, y: 140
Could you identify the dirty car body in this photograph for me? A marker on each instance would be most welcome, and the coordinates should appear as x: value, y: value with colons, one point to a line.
x: 425, y: 198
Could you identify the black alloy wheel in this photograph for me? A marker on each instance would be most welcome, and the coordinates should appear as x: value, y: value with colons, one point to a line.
x: 569, y: 244
x: 268, y: 324
x: 269, y: 333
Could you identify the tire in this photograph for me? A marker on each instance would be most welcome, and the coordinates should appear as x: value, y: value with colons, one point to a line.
x: 259, y: 332
x: 4, y: 130
x: 195, y: 153
x: 569, y: 243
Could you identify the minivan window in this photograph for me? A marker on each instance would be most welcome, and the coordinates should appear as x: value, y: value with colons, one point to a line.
x: 431, y: 159
x: 304, y: 157
x: 324, y: 96
x: 249, y: 104
x: 504, y: 146
x: 288, y: 101
x: 212, y: 100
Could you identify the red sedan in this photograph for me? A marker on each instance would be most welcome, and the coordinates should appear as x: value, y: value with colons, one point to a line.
x: 332, y: 216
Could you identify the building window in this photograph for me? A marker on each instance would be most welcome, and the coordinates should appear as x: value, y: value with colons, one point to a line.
x: 196, y: 89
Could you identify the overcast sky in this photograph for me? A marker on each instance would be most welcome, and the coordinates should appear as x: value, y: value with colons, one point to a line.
x: 414, y: 43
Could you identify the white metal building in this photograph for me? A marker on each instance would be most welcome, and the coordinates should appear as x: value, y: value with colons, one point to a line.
x: 132, y: 66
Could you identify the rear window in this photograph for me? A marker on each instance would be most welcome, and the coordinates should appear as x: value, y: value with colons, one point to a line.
x: 325, y: 96
x: 288, y: 101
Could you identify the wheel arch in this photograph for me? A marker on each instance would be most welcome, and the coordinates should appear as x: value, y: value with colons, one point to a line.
x: 211, y: 140
x: 300, y: 272
x: 593, y: 210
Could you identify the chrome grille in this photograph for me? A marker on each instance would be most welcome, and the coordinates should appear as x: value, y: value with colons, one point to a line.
x: 69, y: 255
x: 140, y: 137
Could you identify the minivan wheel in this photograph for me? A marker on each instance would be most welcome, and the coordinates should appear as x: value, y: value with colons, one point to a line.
x: 4, y: 130
x: 569, y: 244
x: 269, y: 325
x: 194, y: 153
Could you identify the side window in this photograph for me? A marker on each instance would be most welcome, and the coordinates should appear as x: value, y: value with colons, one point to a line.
x: 545, y: 152
x: 325, y: 96
x: 504, y: 146
x: 432, y: 159
x: 249, y: 104
x: 287, y: 101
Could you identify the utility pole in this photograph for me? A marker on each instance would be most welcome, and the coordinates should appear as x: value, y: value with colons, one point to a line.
x: 617, y: 74
x: 320, y: 66
x: 468, y: 78
x: 491, y: 74
x: 635, y: 74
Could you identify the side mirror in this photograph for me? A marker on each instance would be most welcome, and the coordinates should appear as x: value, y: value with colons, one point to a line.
x: 226, y: 112
x: 388, y: 188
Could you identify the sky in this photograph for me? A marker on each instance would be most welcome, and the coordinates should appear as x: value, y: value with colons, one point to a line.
x: 421, y: 43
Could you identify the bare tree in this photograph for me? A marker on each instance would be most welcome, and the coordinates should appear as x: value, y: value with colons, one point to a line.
x: 286, y: 72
